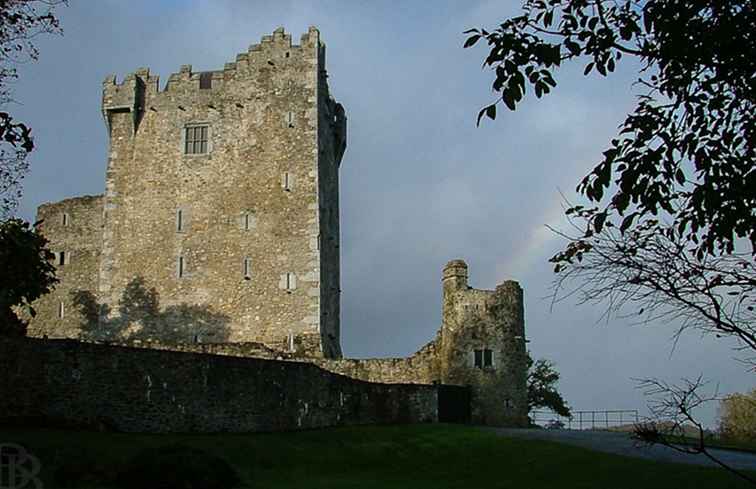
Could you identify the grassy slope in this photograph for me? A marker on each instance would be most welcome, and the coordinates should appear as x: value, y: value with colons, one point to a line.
x: 748, y: 446
x: 417, y: 457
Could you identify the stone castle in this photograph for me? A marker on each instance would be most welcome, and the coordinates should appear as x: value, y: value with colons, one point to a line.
x: 218, y: 233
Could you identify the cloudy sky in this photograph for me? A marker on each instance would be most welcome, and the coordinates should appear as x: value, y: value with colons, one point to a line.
x: 420, y: 183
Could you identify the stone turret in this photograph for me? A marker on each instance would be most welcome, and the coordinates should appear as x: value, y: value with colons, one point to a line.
x: 482, y: 345
x: 455, y: 276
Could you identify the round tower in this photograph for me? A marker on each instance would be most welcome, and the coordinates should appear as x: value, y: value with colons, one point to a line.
x: 455, y: 276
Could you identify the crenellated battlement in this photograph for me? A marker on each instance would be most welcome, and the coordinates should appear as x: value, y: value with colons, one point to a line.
x: 269, y: 65
x: 275, y: 51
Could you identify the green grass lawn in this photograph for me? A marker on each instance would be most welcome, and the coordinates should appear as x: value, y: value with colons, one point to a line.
x: 386, y: 457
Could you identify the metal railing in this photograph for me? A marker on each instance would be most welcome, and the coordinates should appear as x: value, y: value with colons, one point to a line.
x: 587, y: 420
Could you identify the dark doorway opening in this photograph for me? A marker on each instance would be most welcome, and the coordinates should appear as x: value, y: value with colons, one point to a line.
x: 453, y: 404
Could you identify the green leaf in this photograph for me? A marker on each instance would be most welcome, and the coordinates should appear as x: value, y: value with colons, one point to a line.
x: 572, y: 47
x: 491, y: 111
x: 647, y: 21
x: 480, y: 115
x: 471, y: 40
x: 627, y: 222
x: 508, y: 99
x: 598, y: 221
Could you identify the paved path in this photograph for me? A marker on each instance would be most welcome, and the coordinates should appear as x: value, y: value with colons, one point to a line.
x: 622, y: 444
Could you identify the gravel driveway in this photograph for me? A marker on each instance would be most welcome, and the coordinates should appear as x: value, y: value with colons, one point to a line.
x: 622, y: 444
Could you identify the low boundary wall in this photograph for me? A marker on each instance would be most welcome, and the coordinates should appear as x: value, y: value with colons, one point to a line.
x: 144, y: 390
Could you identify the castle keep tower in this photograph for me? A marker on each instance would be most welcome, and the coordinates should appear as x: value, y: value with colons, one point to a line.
x: 221, y: 204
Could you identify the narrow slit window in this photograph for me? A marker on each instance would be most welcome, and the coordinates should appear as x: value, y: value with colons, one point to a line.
x: 61, y: 310
x: 247, y: 268
x: 478, y: 358
x: 181, y: 267
x: 291, y: 281
x: 195, y: 140
x: 61, y: 258
x: 66, y: 219
x: 287, y: 181
x: 179, y: 220
x: 290, y: 119
x: 247, y: 221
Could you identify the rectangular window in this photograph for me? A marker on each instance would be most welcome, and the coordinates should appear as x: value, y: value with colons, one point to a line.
x: 65, y: 219
x: 195, y: 140
x: 483, y: 358
x: 478, y: 358
x: 247, y: 268
x: 179, y: 220
x: 206, y: 80
x: 61, y: 310
x: 487, y: 358
x: 181, y: 267
x: 61, y: 258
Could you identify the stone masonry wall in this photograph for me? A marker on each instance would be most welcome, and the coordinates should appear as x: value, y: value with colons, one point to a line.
x: 332, y: 143
x: 144, y: 390
x: 73, y: 227
x: 420, y: 368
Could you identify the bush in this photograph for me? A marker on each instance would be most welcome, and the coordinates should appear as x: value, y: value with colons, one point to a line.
x: 27, y: 273
x: 737, y: 416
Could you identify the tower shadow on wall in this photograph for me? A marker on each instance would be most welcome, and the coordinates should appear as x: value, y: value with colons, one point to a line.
x: 140, y: 318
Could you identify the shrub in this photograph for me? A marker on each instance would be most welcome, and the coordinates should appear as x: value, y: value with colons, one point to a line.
x: 27, y: 273
x: 737, y: 416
